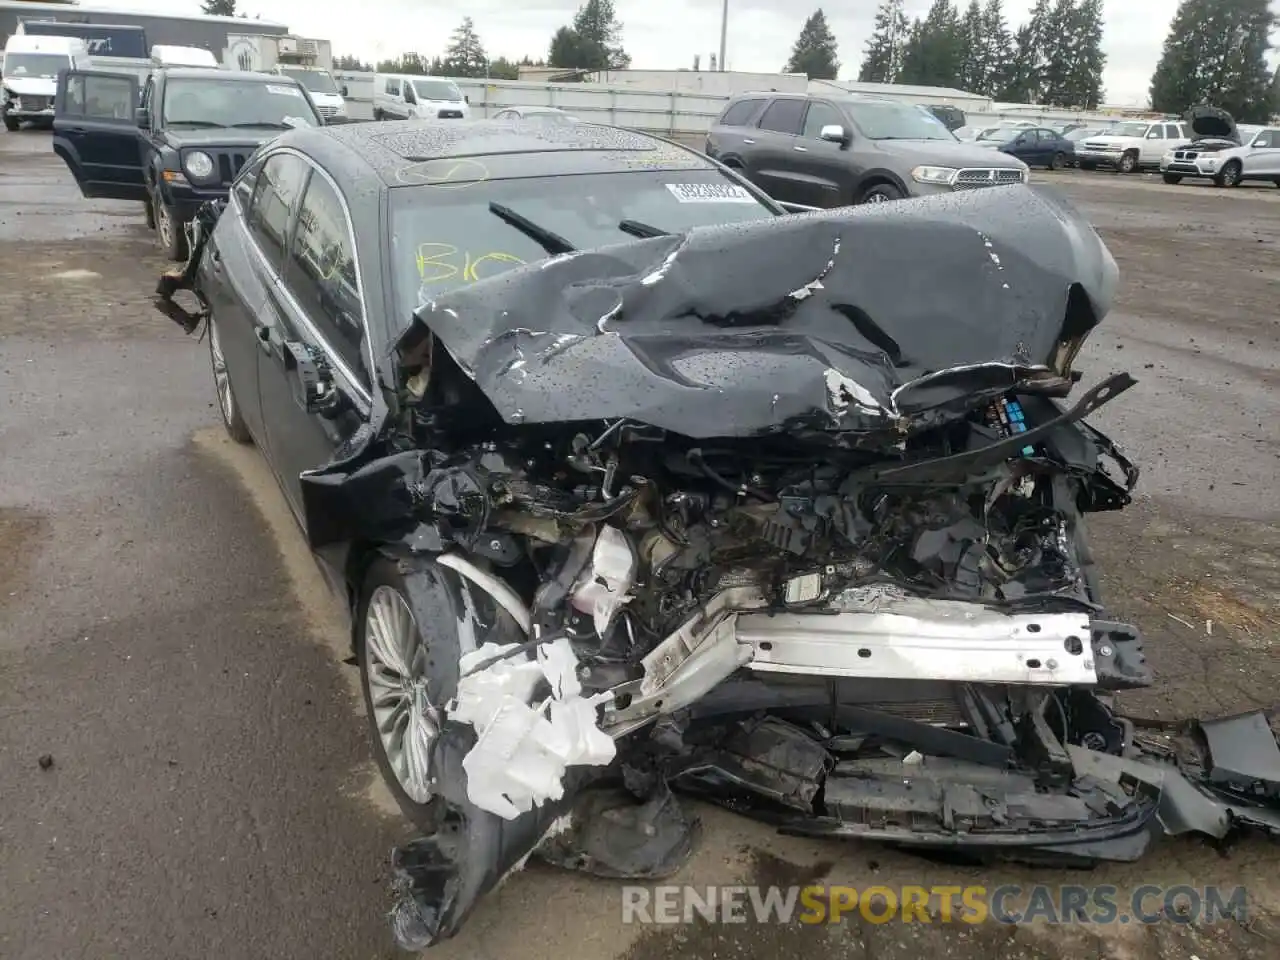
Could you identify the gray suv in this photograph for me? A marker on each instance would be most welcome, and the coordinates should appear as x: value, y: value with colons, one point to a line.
x: 830, y: 152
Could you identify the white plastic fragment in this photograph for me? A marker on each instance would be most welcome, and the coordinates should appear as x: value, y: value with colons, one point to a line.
x: 605, y: 586
x: 523, y: 749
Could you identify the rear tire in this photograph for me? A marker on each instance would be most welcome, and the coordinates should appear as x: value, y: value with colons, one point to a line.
x: 237, y: 430
x: 1172, y: 178
x: 1057, y: 161
x: 11, y: 124
x: 881, y: 193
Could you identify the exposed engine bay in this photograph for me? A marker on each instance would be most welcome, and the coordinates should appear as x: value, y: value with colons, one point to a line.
x: 798, y: 533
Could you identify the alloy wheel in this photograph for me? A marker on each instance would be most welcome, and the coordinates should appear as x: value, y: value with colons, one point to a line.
x: 395, y: 671
x: 221, y: 379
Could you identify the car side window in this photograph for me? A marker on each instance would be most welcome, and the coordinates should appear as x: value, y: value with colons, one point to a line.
x: 1171, y: 131
x: 393, y: 87
x: 147, y: 92
x: 739, y: 114
x: 244, y: 183
x: 322, y: 273
x: 821, y: 115
x: 99, y: 98
x: 275, y: 200
x: 1265, y: 139
x: 784, y: 116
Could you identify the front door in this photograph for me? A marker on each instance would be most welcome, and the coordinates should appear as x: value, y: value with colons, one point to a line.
x: 315, y: 315
x: 1262, y: 159
x: 823, y: 169
x: 95, y: 131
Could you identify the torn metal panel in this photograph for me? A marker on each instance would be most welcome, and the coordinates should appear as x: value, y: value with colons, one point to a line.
x: 703, y: 333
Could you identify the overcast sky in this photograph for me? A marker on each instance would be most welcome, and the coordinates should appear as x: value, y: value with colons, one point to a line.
x: 667, y: 34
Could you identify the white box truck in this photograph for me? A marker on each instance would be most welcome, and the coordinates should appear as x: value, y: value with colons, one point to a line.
x: 306, y: 60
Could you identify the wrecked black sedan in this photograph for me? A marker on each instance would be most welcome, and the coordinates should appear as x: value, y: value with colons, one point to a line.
x: 636, y: 488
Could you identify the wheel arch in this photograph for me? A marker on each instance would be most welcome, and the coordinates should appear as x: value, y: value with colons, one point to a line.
x: 876, y: 177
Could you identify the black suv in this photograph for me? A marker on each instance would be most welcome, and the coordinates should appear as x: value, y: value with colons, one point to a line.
x: 834, y: 151
x: 174, y: 144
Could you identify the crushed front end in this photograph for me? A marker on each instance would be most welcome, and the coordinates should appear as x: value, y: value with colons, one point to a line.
x: 789, y: 516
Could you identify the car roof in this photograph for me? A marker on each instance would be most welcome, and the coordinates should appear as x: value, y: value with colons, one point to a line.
x: 412, y: 153
x: 217, y: 73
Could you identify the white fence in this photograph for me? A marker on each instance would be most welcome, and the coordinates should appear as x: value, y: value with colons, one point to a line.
x: 670, y: 113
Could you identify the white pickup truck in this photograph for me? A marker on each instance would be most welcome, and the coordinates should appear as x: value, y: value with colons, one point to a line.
x: 1131, y: 146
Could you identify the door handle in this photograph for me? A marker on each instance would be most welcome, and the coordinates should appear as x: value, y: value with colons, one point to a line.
x: 74, y: 129
x: 747, y: 140
x: 802, y: 149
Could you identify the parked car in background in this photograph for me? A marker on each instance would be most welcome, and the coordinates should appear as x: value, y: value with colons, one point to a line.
x: 1223, y: 152
x: 403, y: 97
x: 175, y: 144
x: 543, y: 114
x: 1130, y: 146
x: 328, y: 96
x: 30, y: 75
x: 951, y: 116
x: 1034, y: 146
x: 1078, y: 136
x: 835, y: 151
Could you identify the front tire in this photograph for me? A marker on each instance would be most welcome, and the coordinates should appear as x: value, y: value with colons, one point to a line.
x: 236, y: 428
x: 169, y: 230
x: 1129, y: 163
x: 1229, y: 175
x: 1172, y: 178
x: 395, y: 669
x: 11, y: 124
x: 881, y: 193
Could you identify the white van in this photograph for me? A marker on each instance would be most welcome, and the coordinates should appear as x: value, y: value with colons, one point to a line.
x: 325, y: 92
x: 171, y: 55
x: 30, y: 75
x: 400, y: 97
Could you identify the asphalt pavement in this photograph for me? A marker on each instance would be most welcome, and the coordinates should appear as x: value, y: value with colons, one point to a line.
x: 183, y: 764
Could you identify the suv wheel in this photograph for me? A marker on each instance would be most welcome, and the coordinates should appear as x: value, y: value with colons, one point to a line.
x: 169, y: 230
x: 881, y: 193
x: 1172, y: 178
x: 1129, y: 162
x: 1230, y: 175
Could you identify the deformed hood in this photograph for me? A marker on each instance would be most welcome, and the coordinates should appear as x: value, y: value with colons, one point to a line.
x: 1211, y: 123
x: 852, y: 320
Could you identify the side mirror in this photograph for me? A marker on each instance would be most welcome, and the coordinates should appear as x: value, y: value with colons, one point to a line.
x: 834, y: 133
x: 1153, y: 136
x: 142, y: 117
x: 311, y: 381
x: 344, y: 91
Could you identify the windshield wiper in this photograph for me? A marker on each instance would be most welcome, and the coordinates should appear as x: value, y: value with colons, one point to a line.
x: 195, y: 123
x: 551, y: 242
x: 638, y: 229
x: 270, y: 124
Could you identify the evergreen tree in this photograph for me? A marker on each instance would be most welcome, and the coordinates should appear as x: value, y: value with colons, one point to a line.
x: 814, y: 53
x: 1029, y: 66
x: 504, y: 69
x: 348, y: 62
x: 465, y: 56
x: 593, y: 42
x: 1084, y: 78
x: 219, y: 8
x: 882, y: 59
x: 998, y: 46
x: 1216, y: 52
x: 935, y: 50
x: 975, y: 67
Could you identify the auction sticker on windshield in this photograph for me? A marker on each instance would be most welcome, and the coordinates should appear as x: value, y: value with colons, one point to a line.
x: 284, y: 91
x: 709, y: 193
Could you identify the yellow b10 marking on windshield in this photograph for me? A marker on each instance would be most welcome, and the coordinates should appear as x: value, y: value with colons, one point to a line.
x: 438, y: 262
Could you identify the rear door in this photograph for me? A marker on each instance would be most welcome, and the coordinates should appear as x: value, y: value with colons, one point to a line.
x: 772, y: 163
x: 95, y: 131
x: 1262, y: 159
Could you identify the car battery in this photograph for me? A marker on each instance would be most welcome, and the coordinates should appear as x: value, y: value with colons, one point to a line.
x: 1007, y: 418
